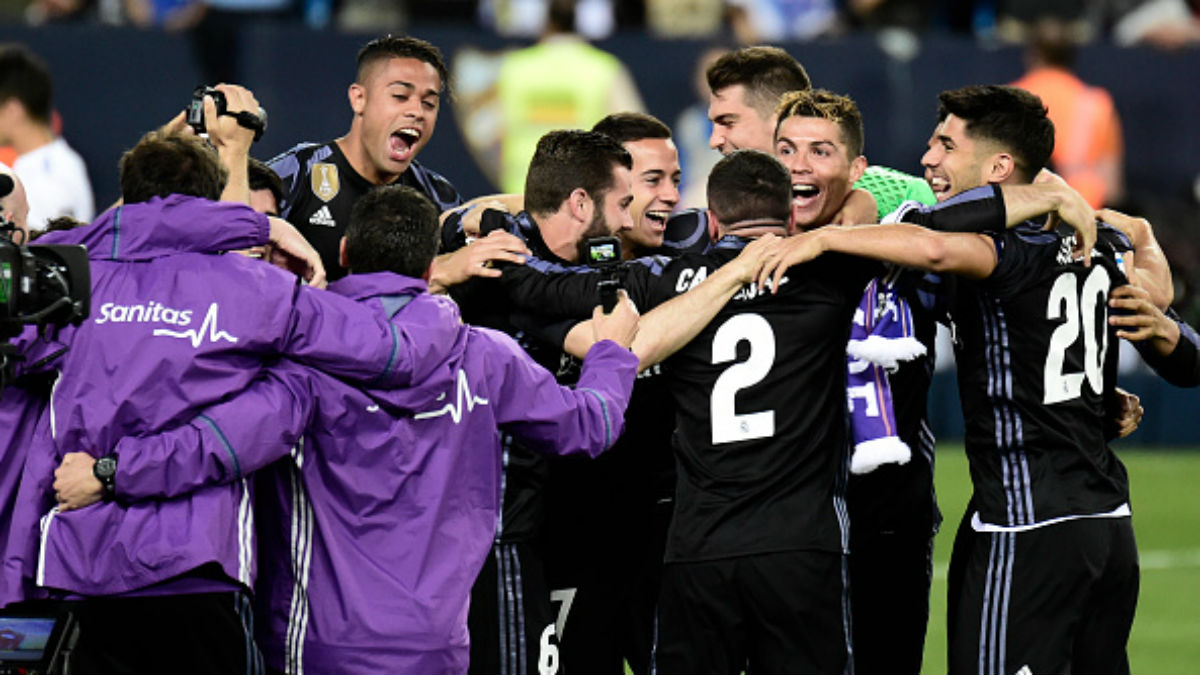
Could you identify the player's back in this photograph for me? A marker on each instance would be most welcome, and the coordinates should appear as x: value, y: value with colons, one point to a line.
x: 762, y: 413
x: 1035, y: 359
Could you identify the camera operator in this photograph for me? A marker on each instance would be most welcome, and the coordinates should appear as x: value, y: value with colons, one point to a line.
x: 172, y: 329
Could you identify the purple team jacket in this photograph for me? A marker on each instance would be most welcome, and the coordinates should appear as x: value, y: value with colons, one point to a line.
x: 171, y: 332
x: 374, y: 529
x: 23, y: 411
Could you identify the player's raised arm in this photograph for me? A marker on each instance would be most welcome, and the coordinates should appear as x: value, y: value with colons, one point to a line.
x: 970, y: 255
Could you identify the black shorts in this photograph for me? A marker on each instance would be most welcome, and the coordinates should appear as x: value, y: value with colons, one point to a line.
x: 511, y: 622
x: 769, y: 613
x: 890, y: 575
x: 210, y: 633
x: 1059, y: 598
x: 605, y: 584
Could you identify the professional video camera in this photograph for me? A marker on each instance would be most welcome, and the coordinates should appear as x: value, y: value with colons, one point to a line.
x: 39, y: 285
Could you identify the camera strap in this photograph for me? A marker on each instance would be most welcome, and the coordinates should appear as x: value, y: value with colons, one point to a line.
x: 249, y: 120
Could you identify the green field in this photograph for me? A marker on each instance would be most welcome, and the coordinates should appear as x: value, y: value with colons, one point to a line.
x: 1166, y: 516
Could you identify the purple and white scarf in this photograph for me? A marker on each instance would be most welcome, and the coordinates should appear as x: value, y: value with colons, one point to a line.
x: 880, y: 339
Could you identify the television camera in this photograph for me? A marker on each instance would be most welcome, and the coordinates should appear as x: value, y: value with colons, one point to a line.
x: 42, y: 285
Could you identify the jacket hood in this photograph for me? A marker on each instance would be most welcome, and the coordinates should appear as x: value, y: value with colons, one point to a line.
x: 165, y: 226
x: 433, y: 326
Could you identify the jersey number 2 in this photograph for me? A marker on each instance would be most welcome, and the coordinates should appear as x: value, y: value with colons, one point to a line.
x: 727, y: 425
x: 1076, y: 308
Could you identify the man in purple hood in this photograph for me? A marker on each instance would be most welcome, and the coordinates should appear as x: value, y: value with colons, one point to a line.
x: 173, y: 330
x: 375, y: 527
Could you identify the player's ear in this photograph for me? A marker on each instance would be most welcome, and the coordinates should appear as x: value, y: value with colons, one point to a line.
x: 1001, y: 167
x: 714, y: 225
x: 857, y: 166
x: 580, y: 205
x: 358, y: 98
x: 342, y: 253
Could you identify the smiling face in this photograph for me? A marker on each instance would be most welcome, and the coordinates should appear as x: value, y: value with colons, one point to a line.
x: 656, y: 177
x: 612, y: 215
x: 736, y: 125
x: 822, y: 171
x: 954, y: 162
x: 395, y: 111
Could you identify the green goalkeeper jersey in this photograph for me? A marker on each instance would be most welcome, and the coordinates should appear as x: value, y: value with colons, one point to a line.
x: 891, y: 188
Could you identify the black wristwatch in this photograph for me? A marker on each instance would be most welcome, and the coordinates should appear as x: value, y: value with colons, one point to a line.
x: 105, y: 471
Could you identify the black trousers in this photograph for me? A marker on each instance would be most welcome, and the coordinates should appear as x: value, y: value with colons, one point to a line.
x: 890, y: 574
x: 510, y: 620
x: 200, y: 633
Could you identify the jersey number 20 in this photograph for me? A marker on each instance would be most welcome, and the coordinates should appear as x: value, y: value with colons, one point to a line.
x: 727, y: 425
x: 1077, y: 308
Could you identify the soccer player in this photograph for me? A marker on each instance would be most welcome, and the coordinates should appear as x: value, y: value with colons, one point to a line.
x: 1044, y: 573
x: 892, y: 508
x: 606, y: 519
x: 754, y: 574
x: 578, y: 186
x: 395, y: 98
x: 374, y: 528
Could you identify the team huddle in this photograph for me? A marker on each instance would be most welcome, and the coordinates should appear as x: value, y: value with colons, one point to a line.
x: 451, y: 460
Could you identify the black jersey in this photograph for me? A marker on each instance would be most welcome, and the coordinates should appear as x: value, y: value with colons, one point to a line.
x: 1182, y: 366
x: 1036, y: 359
x: 760, y: 393
x: 322, y: 188
x: 485, y: 303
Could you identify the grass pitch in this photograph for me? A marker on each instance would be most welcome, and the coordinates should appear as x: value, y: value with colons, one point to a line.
x: 1166, y: 518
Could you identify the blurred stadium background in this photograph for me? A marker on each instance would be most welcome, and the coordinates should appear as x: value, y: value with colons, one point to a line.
x: 118, y: 74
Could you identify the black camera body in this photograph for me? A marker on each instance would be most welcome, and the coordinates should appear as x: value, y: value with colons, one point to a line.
x: 245, y: 118
x: 47, y: 285
x: 604, y: 254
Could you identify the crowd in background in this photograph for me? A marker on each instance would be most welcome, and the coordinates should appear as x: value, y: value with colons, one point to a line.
x: 1165, y: 23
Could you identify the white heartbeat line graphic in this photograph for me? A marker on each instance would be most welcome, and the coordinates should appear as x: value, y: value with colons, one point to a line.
x: 197, y: 336
x: 456, y: 408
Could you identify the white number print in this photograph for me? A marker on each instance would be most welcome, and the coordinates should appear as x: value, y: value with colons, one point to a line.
x: 1078, y: 308
x: 727, y: 425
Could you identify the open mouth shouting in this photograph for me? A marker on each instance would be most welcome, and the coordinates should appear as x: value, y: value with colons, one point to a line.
x: 402, y: 143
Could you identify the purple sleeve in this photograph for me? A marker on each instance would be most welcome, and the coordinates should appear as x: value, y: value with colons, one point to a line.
x: 222, y: 443
x: 554, y: 419
x: 356, y: 341
x: 184, y: 225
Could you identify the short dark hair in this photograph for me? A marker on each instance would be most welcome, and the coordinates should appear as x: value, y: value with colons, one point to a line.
x: 826, y: 105
x: 560, y: 16
x: 625, y: 127
x: 25, y: 77
x: 393, y: 228
x: 56, y: 224
x: 568, y: 159
x: 262, y: 177
x: 1010, y: 117
x: 767, y: 73
x: 163, y: 164
x: 749, y: 185
x: 402, y: 47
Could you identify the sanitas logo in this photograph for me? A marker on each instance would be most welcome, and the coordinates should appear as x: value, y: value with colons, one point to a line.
x: 154, y: 312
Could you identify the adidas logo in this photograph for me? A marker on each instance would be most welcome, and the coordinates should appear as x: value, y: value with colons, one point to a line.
x: 322, y: 217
